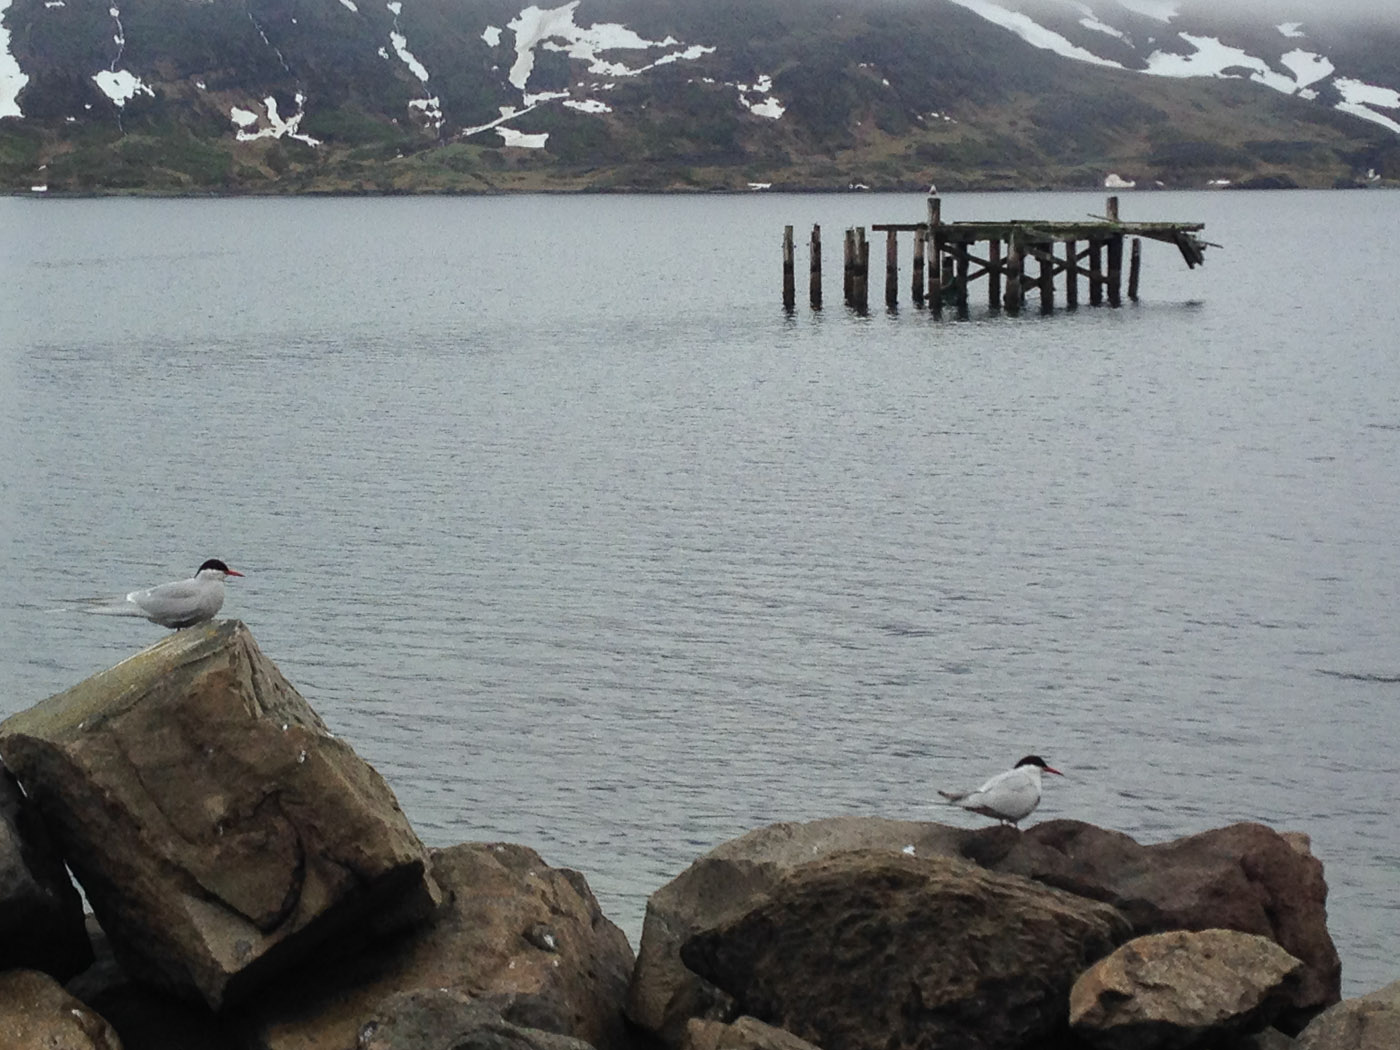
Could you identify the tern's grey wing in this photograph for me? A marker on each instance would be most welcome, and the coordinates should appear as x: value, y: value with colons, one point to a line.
x: 180, y: 603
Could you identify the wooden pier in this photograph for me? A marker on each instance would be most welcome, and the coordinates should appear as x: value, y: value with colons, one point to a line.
x: 947, y: 260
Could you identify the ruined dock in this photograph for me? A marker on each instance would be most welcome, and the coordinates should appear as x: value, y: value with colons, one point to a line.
x: 949, y: 257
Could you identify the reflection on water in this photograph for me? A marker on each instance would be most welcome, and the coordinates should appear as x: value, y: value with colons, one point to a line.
x: 548, y: 508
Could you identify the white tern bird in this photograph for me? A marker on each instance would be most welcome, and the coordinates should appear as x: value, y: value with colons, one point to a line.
x: 1009, y: 796
x: 180, y: 603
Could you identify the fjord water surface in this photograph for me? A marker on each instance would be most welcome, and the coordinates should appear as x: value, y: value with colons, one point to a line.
x: 548, y: 508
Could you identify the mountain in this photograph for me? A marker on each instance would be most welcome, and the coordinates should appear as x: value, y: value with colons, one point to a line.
x: 487, y: 95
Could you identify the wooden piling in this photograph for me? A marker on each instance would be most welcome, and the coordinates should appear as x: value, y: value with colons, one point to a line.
x: 1111, y: 209
x: 1134, y: 269
x: 1015, y: 273
x: 961, y: 260
x: 1047, y: 278
x: 789, y: 272
x: 863, y: 270
x: 1071, y: 275
x: 935, y: 255
x: 814, y: 270
x: 916, y: 285
x: 891, y: 268
x: 994, y: 273
x: 848, y: 268
x: 1095, y: 271
x: 1115, y: 270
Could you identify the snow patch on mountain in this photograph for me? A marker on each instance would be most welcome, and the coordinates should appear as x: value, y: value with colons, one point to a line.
x: 767, y: 106
x: 1033, y: 32
x: 12, y: 78
x: 1208, y: 57
x: 120, y: 85
x: 492, y: 36
x: 1307, y: 67
x: 540, y: 27
x: 1211, y: 59
x: 273, y: 126
x: 1360, y: 99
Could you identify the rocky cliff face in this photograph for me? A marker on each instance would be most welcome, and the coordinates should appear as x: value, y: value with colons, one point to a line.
x: 430, y: 95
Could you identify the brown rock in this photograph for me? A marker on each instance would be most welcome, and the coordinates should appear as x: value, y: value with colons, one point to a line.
x: 726, y: 882
x: 880, y: 949
x: 144, y: 1017
x: 37, y: 1014
x: 1371, y: 1022
x: 1245, y: 877
x: 527, y: 939
x: 746, y: 1033
x: 440, y: 1019
x: 221, y: 833
x: 1173, y: 991
x: 41, y: 914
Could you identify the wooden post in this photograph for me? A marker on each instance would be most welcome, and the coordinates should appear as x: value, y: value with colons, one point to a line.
x: 935, y: 256
x: 1015, y: 269
x: 848, y: 278
x: 1071, y: 274
x: 994, y: 273
x: 1047, y: 278
x: 1115, y: 270
x: 789, y: 271
x: 916, y: 286
x: 814, y: 278
x: 1135, y: 269
x: 863, y: 270
x: 1111, y: 209
x: 1095, y: 271
x: 891, y: 268
x: 961, y: 261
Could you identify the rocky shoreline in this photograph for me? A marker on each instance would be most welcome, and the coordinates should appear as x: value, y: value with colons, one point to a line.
x: 255, y: 886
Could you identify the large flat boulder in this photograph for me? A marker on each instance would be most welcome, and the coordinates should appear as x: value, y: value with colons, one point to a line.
x: 1180, y: 990
x: 873, y: 948
x: 220, y: 831
x: 520, y: 952
x: 41, y: 914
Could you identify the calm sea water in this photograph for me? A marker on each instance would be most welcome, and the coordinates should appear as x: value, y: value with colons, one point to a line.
x: 548, y: 508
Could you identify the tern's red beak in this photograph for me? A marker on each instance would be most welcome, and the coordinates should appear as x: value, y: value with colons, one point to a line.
x: 1047, y: 768
x: 234, y: 572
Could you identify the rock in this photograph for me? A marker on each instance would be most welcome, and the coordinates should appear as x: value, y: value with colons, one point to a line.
x: 41, y: 914
x: 512, y: 931
x: 1371, y: 1022
x: 221, y: 833
x: 874, y: 948
x: 1173, y: 991
x: 746, y: 1033
x: 440, y: 1019
x: 37, y: 1014
x: 726, y: 882
x: 1244, y: 877
x: 145, y: 1018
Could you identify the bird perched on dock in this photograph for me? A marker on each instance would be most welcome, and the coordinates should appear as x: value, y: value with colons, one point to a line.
x: 180, y: 603
x: 1009, y: 797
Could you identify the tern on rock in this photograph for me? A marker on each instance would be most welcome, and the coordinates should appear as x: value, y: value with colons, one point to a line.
x: 1010, y: 797
x: 180, y: 603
